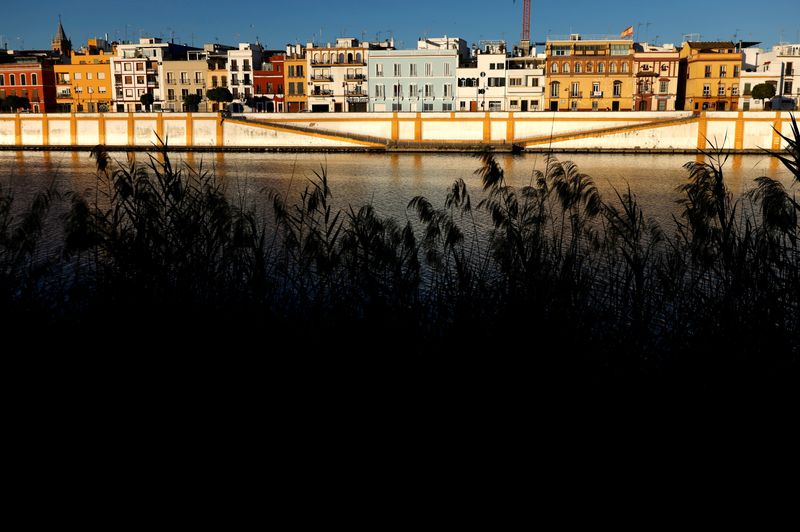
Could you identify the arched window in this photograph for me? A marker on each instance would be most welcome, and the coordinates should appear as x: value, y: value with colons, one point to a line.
x: 565, y: 68
x: 12, y: 79
x: 554, y: 88
x: 613, y: 68
x: 316, y: 58
x: 624, y: 68
x: 554, y: 68
x: 589, y: 67
x: 22, y: 79
x: 577, y: 68
x: 34, y: 79
x: 601, y: 68
x: 358, y: 58
x: 350, y: 57
x: 341, y: 57
x: 325, y: 58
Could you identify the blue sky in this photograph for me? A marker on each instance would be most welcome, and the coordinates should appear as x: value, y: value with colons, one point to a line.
x: 278, y: 22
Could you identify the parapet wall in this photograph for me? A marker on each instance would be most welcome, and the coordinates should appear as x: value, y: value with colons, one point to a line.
x: 680, y: 131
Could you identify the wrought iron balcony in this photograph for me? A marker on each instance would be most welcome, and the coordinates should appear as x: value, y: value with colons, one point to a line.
x: 321, y: 92
x: 356, y: 77
x: 321, y: 77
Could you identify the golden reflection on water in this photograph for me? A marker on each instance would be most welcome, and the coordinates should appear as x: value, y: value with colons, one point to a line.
x: 388, y: 182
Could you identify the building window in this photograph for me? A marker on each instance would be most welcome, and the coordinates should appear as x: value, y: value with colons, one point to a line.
x: 447, y: 107
x: 170, y: 77
x: 129, y: 93
x: 379, y: 91
x: 428, y: 69
x: 554, y: 68
x: 139, y: 67
x: 495, y: 106
x: 413, y: 91
x: 102, y: 90
x: 127, y: 67
x: 412, y: 70
x: 663, y: 87
x: 662, y: 105
x: 565, y: 68
x: 612, y: 68
x: 397, y: 90
x: 625, y: 68
x: 427, y: 107
x: 734, y: 90
x: 706, y: 90
x: 22, y: 80
x: 787, y: 87
x: 589, y: 67
x: 619, y: 49
x: 723, y: 71
x: 577, y: 68
x: 397, y: 70
x: 462, y: 106
x: 747, y: 89
x: 554, y: 87
x: 291, y: 71
x: 561, y: 50
x: 708, y: 71
x: 448, y: 90
x: 601, y: 68
x: 2, y: 80
x: 379, y: 70
x: 447, y: 69
x: 596, y: 89
x: 514, y: 104
x: 515, y: 82
x: 721, y: 90
x: 170, y: 94
x: 429, y: 91
x: 184, y: 93
x: 573, y: 105
x: 101, y: 75
x: 736, y: 71
x: 617, y: 89
x: 291, y: 88
x: 34, y: 79
x: 575, y: 91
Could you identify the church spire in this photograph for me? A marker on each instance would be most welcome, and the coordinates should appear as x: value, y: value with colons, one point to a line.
x: 61, y: 44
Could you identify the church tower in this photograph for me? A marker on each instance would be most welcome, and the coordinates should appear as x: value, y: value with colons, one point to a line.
x: 60, y: 43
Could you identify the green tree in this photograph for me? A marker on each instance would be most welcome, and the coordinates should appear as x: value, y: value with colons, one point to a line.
x: 192, y: 102
x: 219, y: 95
x: 763, y: 91
x: 147, y: 100
x: 14, y: 103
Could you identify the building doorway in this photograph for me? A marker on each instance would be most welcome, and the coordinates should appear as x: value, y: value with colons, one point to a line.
x: 615, y: 106
x: 337, y: 108
x: 720, y: 106
x: 524, y: 106
x: 554, y: 106
x: 473, y: 106
x: 643, y: 105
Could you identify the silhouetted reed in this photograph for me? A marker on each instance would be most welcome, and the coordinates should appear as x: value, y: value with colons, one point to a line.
x: 613, y: 290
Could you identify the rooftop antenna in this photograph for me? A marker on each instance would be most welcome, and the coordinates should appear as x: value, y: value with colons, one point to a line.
x: 646, y: 29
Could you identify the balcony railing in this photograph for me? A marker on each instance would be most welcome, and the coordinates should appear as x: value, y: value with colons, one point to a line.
x: 320, y: 77
x: 356, y: 93
x: 597, y: 94
x: 63, y: 82
x: 356, y: 77
x: 233, y: 68
x: 321, y: 92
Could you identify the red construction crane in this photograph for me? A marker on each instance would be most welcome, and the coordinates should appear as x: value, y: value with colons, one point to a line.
x: 526, y: 21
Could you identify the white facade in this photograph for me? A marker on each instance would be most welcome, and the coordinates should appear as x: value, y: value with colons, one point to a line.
x: 778, y: 67
x: 525, y: 81
x: 482, y: 83
x: 241, y: 63
x: 445, y: 43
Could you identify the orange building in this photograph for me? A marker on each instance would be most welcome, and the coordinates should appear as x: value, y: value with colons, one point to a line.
x: 295, y: 79
x: 84, y: 84
x: 589, y: 75
x: 709, y: 76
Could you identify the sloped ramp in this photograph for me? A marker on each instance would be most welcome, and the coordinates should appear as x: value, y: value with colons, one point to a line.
x: 602, y: 132
x: 363, y: 141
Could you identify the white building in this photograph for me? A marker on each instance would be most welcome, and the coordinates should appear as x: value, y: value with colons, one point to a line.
x: 778, y: 68
x: 446, y: 43
x: 482, y: 81
x: 241, y: 63
x: 525, y: 81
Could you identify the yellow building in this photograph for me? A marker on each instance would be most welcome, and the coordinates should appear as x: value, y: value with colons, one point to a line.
x: 217, y: 66
x: 84, y: 85
x: 709, y: 76
x: 295, y: 79
x: 589, y: 75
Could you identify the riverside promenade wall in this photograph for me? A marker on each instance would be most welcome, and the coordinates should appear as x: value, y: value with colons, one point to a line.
x: 604, y: 131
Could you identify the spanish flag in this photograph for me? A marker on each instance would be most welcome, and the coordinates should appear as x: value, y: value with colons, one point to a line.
x: 627, y: 32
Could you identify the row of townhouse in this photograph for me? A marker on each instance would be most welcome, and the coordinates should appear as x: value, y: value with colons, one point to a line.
x: 441, y: 75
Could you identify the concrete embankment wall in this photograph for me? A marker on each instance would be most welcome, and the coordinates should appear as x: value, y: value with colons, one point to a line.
x: 628, y: 131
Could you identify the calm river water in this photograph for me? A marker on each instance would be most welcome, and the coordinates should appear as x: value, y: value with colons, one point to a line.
x: 388, y: 182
